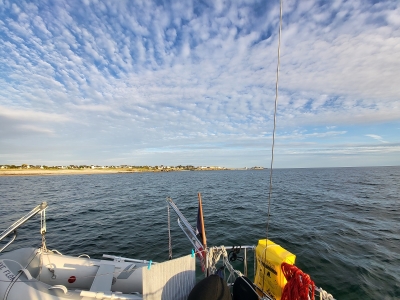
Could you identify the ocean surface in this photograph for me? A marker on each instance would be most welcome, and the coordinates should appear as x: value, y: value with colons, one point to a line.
x: 342, y: 223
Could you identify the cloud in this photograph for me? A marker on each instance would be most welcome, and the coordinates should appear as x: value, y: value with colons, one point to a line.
x: 21, y: 123
x: 350, y: 56
x: 376, y: 137
x: 94, y: 108
x: 188, y: 72
x: 305, y: 135
x: 31, y: 115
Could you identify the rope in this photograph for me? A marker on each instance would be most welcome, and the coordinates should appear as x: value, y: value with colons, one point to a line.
x: 324, y: 295
x: 16, y: 277
x: 214, y: 255
x: 298, y: 283
x: 43, y: 229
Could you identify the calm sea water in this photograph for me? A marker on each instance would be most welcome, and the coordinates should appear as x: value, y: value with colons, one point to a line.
x: 342, y: 223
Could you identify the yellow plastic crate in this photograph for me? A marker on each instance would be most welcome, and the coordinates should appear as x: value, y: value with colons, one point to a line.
x: 269, y: 277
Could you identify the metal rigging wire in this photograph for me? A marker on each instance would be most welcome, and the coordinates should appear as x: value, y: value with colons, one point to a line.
x: 276, y: 105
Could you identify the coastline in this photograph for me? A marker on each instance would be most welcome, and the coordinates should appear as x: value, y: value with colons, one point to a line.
x: 98, y: 171
x: 40, y: 172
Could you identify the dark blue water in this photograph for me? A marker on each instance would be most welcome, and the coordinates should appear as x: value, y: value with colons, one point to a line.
x: 342, y: 223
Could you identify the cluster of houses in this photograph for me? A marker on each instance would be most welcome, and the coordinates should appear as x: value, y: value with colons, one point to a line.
x: 80, y: 167
x: 149, y: 168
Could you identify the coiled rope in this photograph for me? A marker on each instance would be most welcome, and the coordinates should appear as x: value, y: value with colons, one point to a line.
x: 298, y: 283
x: 213, y: 257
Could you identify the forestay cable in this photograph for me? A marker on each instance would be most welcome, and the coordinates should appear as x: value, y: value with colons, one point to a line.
x: 275, y: 109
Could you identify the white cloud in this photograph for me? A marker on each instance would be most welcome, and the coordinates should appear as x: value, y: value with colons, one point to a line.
x: 34, y: 129
x: 36, y: 116
x: 305, y: 135
x: 376, y: 137
x: 97, y: 108
x: 190, y: 70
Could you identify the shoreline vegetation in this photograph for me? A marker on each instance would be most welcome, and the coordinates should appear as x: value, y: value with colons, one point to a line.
x: 30, y: 170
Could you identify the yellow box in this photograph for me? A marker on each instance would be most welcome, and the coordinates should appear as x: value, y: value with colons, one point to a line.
x: 269, y: 277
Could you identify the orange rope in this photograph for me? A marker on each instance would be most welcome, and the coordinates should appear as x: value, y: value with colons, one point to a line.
x: 298, y: 283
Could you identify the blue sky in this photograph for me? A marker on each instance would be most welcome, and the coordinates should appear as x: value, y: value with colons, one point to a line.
x: 193, y: 83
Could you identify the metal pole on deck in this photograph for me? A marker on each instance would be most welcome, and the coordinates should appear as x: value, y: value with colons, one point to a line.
x: 203, y: 231
x: 245, y: 262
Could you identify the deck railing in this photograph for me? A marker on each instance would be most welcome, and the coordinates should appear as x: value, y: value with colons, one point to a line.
x: 13, y: 228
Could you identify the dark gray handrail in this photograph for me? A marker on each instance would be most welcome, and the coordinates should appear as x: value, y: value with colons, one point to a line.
x: 13, y: 227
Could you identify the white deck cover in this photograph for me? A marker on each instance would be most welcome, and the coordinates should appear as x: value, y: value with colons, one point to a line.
x: 170, y: 280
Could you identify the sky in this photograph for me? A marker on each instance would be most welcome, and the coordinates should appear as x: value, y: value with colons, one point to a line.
x: 193, y: 83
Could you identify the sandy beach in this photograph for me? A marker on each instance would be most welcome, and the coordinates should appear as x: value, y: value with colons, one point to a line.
x: 50, y: 172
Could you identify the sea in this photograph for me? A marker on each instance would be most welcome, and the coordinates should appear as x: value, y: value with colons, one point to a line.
x: 343, y: 224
